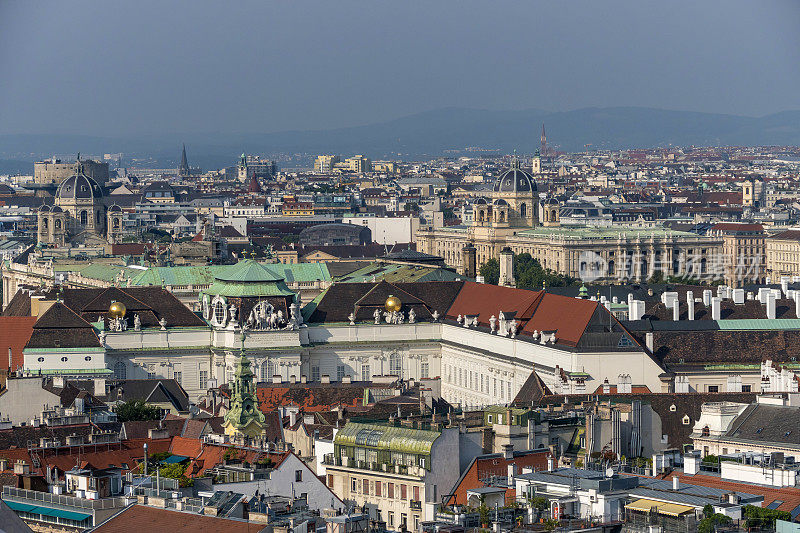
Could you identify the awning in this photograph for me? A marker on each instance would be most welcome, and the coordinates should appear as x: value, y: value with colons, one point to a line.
x: 47, y: 511
x: 19, y: 506
x: 61, y: 513
x: 669, y: 509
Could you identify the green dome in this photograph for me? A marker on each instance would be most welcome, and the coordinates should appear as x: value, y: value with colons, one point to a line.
x: 248, y: 278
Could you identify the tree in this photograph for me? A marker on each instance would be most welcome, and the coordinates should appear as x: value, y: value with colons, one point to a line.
x: 490, y: 271
x: 764, y: 518
x: 528, y: 273
x: 137, y: 410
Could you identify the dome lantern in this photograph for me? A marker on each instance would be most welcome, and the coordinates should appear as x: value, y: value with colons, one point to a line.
x: 117, y: 309
x: 393, y: 303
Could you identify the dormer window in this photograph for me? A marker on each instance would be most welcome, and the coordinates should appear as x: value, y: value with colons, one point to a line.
x: 686, y: 420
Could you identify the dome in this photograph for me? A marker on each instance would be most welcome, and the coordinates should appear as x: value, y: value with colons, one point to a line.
x: 500, y: 202
x: 44, y: 209
x: 79, y: 187
x: 117, y: 310
x: 551, y: 201
x: 56, y: 209
x: 114, y: 208
x: 481, y: 201
x: 515, y: 180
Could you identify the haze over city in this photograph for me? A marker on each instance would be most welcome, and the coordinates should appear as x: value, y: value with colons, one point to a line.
x: 131, y: 68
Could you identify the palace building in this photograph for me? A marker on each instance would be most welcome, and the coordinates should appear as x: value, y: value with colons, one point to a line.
x: 515, y: 217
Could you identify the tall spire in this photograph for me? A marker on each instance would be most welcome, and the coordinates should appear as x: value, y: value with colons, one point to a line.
x: 543, y: 140
x: 183, y: 169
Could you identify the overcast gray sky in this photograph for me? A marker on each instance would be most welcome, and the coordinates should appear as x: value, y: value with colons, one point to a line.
x: 107, y: 67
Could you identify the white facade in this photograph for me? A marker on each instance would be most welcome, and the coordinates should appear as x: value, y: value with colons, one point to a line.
x: 388, y: 230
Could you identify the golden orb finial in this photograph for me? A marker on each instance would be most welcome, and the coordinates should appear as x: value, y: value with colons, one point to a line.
x: 117, y: 310
x: 393, y: 303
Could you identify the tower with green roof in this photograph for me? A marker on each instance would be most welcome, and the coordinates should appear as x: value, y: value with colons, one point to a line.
x: 244, y: 418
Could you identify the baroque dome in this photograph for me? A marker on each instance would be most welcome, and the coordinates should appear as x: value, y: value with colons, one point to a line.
x: 515, y: 180
x: 79, y: 187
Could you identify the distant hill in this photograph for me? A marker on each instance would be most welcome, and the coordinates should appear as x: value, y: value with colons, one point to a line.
x: 433, y: 133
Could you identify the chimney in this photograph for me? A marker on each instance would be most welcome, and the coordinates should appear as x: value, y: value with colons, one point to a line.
x: 648, y: 340
x: 550, y: 463
x: 690, y: 304
x: 771, y: 306
x: 303, y: 378
x: 507, y: 268
x: 325, y: 379
x: 716, y: 301
x: 512, y: 473
x: 676, y: 483
x: 635, y: 310
x: 784, y: 284
x: 676, y: 311
x: 292, y: 418
x: 607, y: 385
x: 797, y: 307
x: 707, y: 297
x: 738, y: 296
x: 99, y: 387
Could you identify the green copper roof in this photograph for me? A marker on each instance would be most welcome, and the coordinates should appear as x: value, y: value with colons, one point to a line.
x: 206, y: 274
x: 247, y: 271
x: 759, y: 323
x: 404, y: 440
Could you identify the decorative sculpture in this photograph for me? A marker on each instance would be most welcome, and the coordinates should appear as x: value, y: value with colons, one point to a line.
x: 493, y: 324
x: 352, y: 318
x: 377, y: 316
x: 513, y: 328
x: 163, y: 323
x: 435, y: 315
x: 137, y: 323
x: 412, y: 316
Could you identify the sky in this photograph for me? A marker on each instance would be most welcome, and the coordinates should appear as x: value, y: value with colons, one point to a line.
x: 144, y: 67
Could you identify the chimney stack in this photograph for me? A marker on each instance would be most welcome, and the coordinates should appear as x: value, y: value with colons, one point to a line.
x: 771, y: 306
x: 716, y: 302
x: 707, y: 294
x: 690, y: 305
x: 676, y: 483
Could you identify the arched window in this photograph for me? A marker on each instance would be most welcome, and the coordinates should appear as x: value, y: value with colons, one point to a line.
x: 116, y: 223
x: 58, y: 223
x: 706, y: 431
x: 97, y: 217
x: 502, y: 216
x: 84, y: 217
x: 120, y: 372
x: 45, y: 223
x: 219, y: 312
x: 523, y: 210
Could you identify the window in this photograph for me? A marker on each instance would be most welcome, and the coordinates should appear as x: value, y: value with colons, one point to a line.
x: 523, y: 210
x: 315, y: 373
x: 672, y: 408
x: 353, y: 485
x: 120, y: 372
x: 87, y: 358
x: 84, y: 217
x: 58, y: 223
x: 365, y: 487
x: 339, y: 372
x: 203, y: 379
x: 395, y: 364
x: 219, y: 312
x: 178, y: 377
x: 706, y: 431
x: 403, y: 492
x: 298, y: 475
x: 365, y: 373
x: 391, y: 519
x: 746, y: 388
x: 423, y: 370
x: 378, y: 488
x: 63, y: 359
x: 416, y: 493
x: 686, y: 420
x: 390, y: 493
x: 713, y: 388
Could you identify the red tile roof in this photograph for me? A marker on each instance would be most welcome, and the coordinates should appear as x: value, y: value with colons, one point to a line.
x: 145, y: 518
x: 15, y: 332
x: 536, y: 310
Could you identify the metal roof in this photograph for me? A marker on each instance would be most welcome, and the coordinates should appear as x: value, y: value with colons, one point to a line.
x: 396, y: 439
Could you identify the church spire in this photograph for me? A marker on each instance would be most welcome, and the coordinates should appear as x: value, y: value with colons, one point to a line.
x: 183, y: 169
